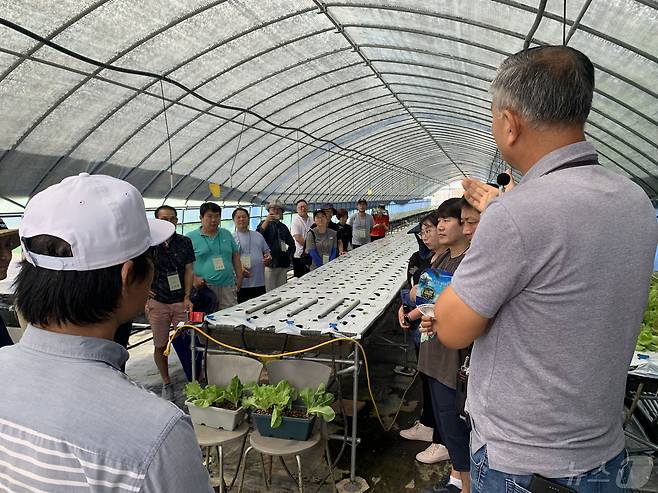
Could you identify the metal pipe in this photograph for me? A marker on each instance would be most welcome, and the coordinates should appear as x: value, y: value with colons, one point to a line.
x: 343, y: 439
x: 576, y: 23
x: 331, y: 308
x: 280, y: 305
x: 262, y: 305
x: 303, y: 307
x: 355, y: 394
x: 193, y: 353
x: 535, y: 25
x: 351, y: 307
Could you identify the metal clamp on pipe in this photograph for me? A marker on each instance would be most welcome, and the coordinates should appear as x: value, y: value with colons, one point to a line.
x: 280, y: 305
x: 262, y: 305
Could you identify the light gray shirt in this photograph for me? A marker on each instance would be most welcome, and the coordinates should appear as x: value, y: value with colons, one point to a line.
x: 70, y: 420
x: 561, y: 265
x: 361, y: 227
x: 252, y: 244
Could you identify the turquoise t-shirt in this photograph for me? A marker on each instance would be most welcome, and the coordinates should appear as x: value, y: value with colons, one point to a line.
x: 214, y: 256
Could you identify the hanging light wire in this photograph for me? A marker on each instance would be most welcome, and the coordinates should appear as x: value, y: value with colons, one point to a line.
x: 171, y: 157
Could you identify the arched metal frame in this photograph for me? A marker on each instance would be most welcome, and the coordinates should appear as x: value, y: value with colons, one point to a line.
x: 424, y: 104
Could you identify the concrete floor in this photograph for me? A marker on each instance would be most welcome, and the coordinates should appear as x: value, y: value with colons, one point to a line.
x: 384, y: 460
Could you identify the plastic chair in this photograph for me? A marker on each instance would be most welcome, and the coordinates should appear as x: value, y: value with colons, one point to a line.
x: 300, y: 374
x: 220, y: 369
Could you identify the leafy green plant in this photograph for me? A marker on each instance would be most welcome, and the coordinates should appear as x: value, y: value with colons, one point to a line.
x: 648, y: 338
x: 271, y: 398
x: 318, y: 402
x: 212, y: 395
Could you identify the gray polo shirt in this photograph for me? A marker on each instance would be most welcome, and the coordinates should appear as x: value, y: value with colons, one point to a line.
x: 561, y: 265
x: 70, y: 420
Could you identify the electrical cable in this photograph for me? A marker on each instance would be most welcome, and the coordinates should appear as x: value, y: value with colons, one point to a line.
x: 162, y: 78
x: 260, y: 356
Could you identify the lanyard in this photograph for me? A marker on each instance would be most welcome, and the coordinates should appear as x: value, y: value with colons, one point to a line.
x: 248, y: 233
x: 167, y: 247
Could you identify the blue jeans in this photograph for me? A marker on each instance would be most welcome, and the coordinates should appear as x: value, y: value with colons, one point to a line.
x: 612, y: 477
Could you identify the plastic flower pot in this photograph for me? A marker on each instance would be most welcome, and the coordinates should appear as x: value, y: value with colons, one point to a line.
x: 216, y: 417
x: 290, y: 428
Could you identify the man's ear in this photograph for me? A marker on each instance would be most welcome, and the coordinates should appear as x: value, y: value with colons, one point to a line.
x: 512, y: 126
x: 127, y: 273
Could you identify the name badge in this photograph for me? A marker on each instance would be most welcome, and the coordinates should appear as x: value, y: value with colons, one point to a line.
x: 284, y: 246
x: 218, y: 263
x: 360, y: 233
x: 325, y: 259
x: 173, y: 279
x: 246, y: 261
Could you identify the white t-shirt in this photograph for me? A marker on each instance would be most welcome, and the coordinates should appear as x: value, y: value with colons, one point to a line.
x: 300, y: 226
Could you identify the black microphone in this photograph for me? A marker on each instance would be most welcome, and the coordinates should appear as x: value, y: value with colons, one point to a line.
x: 503, y: 179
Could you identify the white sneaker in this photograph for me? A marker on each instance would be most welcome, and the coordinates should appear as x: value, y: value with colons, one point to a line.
x: 418, y: 432
x: 433, y: 454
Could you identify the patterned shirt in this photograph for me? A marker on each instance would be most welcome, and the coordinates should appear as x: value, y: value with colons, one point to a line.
x: 170, y: 259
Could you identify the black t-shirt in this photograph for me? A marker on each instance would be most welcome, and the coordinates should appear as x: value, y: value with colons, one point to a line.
x: 417, y: 264
x: 275, y: 234
x: 5, y: 339
x: 344, y: 234
x: 170, y: 258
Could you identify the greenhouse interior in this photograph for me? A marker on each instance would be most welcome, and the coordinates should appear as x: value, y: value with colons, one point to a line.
x: 238, y: 246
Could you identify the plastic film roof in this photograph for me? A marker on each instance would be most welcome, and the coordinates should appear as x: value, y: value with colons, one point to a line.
x: 399, y: 87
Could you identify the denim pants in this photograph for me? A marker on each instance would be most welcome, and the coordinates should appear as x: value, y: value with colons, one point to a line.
x: 611, y: 477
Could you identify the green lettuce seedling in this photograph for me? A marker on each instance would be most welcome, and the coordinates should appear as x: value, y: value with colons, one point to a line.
x: 318, y: 402
x: 271, y: 397
x: 214, y: 395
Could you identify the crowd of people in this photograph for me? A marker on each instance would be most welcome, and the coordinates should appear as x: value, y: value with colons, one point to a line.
x: 526, y: 291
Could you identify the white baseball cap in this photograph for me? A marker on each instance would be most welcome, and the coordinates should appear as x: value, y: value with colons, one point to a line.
x: 102, y: 218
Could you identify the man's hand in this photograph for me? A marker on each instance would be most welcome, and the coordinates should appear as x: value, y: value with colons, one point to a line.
x: 403, y: 322
x: 246, y: 273
x: 187, y: 304
x: 199, y: 282
x: 427, y: 325
x: 267, y: 258
x: 478, y: 194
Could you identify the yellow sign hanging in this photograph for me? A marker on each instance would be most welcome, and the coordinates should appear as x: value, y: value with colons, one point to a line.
x: 215, y: 189
x: 369, y: 192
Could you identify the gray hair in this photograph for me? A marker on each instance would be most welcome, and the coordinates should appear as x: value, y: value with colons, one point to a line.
x: 546, y: 85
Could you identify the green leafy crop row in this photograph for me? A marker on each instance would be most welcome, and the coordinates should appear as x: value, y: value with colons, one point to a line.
x: 648, y: 338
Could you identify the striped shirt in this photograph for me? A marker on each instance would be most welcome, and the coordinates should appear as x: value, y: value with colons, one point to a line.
x: 71, y: 421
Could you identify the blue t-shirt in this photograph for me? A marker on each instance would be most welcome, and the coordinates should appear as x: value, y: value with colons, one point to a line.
x: 252, y: 244
x: 214, y: 256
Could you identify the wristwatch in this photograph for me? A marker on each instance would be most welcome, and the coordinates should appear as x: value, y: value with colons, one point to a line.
x: 406, y: 319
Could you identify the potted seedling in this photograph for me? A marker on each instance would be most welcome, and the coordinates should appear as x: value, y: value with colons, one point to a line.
x: 275, y: 415
x: 217, y: 407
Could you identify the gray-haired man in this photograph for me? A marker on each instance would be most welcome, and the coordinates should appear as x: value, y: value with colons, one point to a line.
x: 553, y: 308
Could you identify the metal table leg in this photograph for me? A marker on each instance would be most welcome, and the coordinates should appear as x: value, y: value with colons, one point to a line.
x: 193, y: 353
x: 355, y: 397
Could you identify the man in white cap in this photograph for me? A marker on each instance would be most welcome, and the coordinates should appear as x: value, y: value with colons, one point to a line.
x: 8, y: 241
x: 281, y: 243
x: 71, y: 420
